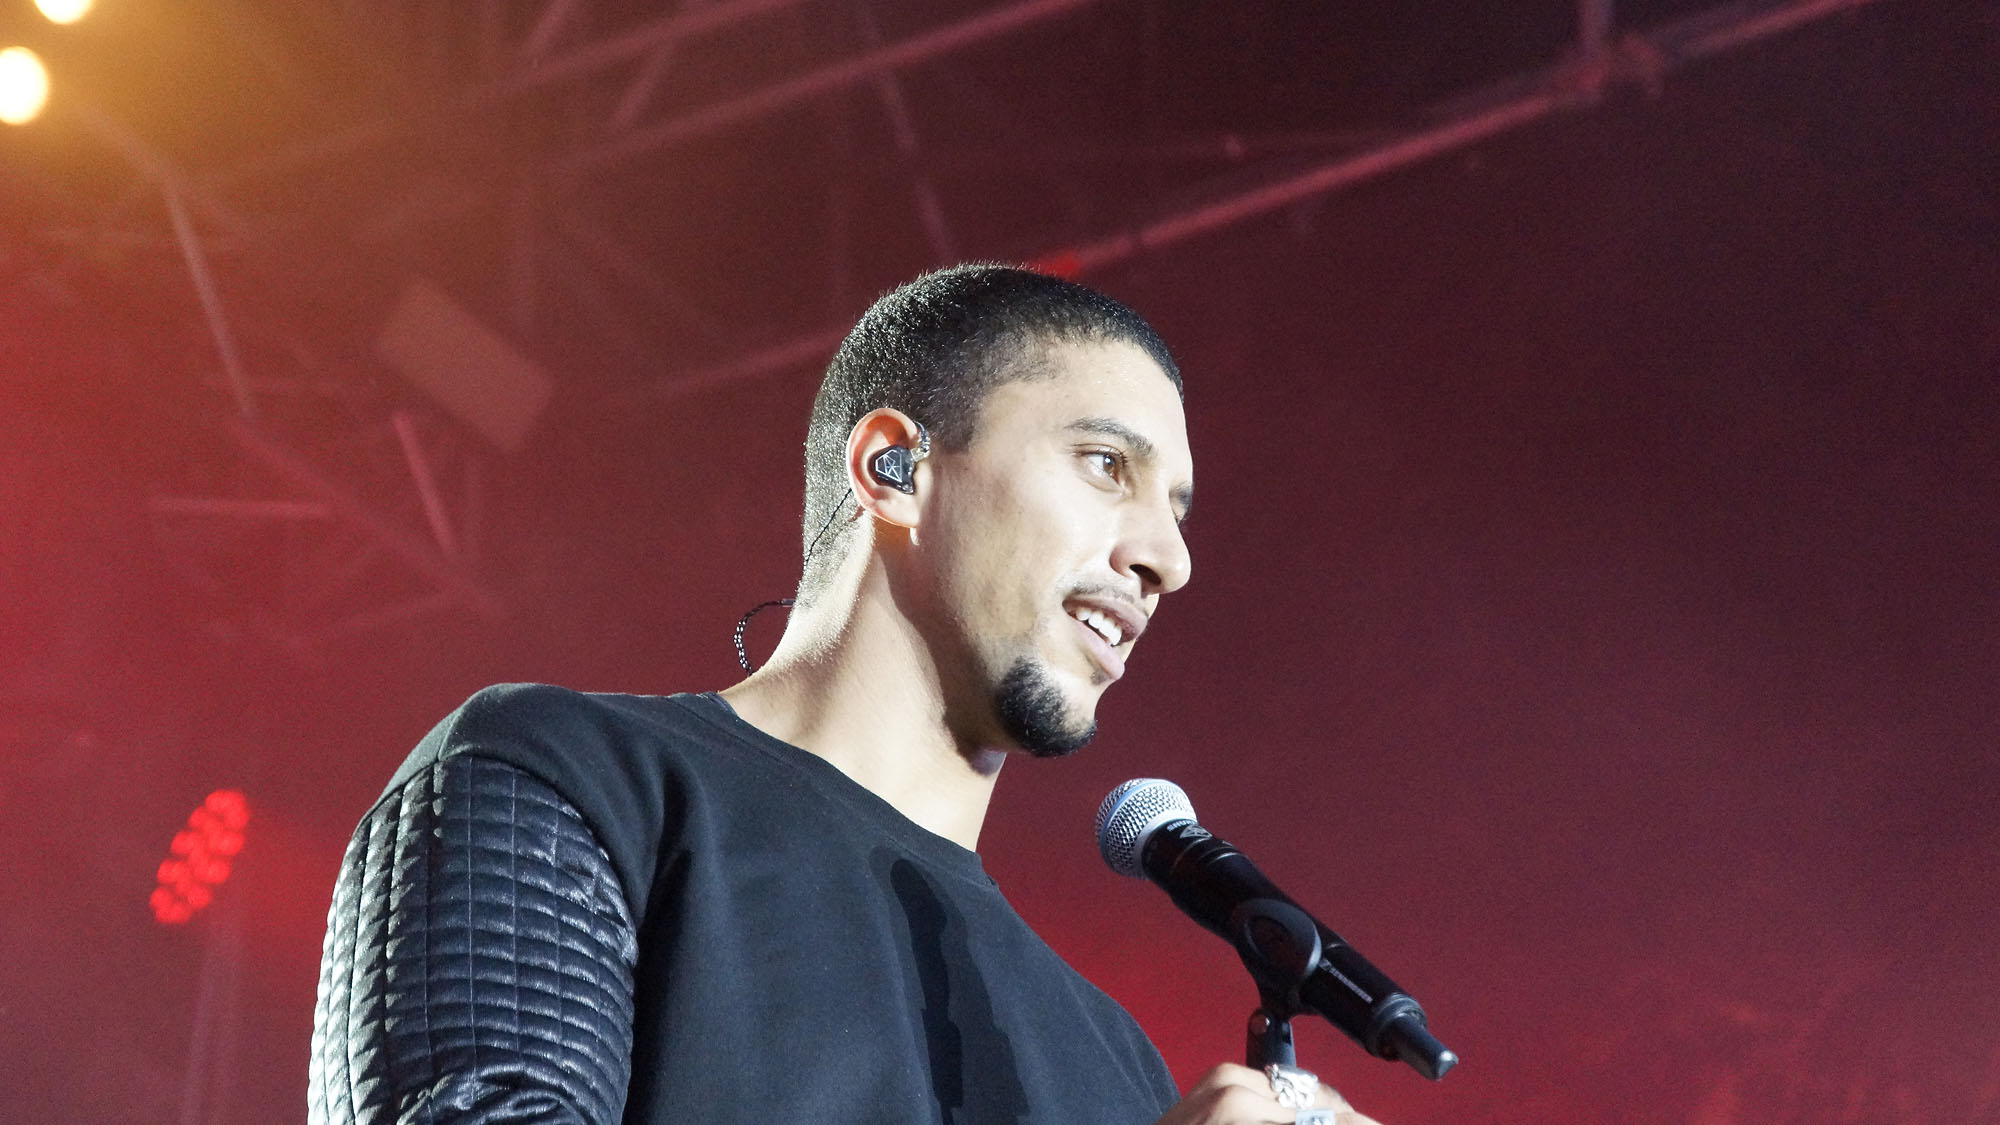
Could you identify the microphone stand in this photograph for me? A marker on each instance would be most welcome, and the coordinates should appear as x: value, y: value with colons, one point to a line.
x: 1284, y: 949
x: 1269, y: 1041
x: 1279, y: 944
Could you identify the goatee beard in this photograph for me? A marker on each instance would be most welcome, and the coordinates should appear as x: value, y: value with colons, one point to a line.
x: 1035, y: 715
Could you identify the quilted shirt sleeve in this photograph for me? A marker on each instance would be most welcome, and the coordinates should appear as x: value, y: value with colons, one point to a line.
x: 478, y: 960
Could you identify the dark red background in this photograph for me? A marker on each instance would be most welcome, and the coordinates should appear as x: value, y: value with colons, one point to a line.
x: 1595, y: 619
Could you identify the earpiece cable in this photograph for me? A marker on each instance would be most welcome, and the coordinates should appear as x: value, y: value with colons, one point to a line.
x: 743, y: 622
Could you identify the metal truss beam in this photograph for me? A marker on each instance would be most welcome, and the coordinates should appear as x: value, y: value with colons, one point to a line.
x: 536, y: 72
x: 848, y: 72
x: 548, y: 25
x: 435, y: 565
x: 441, y: 565
x: 889, y: 90
x: 1639, y: 59
x: 650, y: 41
x: 641, y: 40
x: 211, y: 301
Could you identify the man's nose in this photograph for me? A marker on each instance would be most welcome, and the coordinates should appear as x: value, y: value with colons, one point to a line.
x: 1153, y: 550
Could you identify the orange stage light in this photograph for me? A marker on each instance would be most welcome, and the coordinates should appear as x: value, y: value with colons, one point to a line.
x: 24, y: 86
x: 63, y: 11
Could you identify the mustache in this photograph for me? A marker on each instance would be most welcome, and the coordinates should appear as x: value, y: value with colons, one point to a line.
x: 1109, y: 592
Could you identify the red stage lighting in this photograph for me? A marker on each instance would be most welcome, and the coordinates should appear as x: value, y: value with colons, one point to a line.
x: 1061, y: 263
x: 200, y: 857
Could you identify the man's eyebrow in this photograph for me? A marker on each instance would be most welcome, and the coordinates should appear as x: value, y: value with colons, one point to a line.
x: 1141, y: 447
x: 1112, y: 427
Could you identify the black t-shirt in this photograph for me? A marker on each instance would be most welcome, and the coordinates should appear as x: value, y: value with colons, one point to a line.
x: 806, y: 952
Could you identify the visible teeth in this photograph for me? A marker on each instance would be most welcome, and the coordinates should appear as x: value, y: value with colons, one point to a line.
x: 1105, y: 626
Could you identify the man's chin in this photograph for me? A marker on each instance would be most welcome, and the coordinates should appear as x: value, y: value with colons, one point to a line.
x: 1038, y: 716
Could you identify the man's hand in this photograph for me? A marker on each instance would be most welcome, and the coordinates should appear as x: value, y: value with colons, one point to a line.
x: 1237, y: 1095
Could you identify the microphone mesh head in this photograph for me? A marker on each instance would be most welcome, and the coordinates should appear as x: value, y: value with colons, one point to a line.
x: 1130, y: 814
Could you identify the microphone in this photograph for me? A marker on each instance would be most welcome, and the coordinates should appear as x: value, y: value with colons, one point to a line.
x: 1146, y: 827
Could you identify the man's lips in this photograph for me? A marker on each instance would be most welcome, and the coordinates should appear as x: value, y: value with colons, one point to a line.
x: 1131, y: 620
x: 1126, y: 619
x: 1100, y: 649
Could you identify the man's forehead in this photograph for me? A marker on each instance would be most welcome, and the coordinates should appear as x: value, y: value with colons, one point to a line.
x: 1113, y: 380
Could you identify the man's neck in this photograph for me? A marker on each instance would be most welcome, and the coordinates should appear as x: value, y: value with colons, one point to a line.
x: 852, y: 683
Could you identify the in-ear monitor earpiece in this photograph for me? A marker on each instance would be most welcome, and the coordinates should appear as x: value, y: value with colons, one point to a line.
x: 896, y: 466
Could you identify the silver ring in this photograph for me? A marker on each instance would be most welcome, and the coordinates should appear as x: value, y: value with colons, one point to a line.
x: 1320, y: 1117
x: 1295, y: 1088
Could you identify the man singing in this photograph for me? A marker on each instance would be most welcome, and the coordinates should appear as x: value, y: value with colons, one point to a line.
x: 763, y: 904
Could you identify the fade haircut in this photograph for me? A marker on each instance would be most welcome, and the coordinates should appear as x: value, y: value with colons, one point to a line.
x: 934, y: 349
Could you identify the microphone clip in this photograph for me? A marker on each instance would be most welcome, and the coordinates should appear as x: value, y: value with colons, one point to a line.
x: 1279, y: 944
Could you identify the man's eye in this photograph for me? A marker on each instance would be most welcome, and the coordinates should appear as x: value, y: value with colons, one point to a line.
x: 1107, y: 462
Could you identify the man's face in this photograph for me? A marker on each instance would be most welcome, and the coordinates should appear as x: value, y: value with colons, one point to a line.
x: 1049, y: 540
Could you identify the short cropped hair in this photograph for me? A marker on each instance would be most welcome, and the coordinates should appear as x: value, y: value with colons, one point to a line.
x: 934, y: 348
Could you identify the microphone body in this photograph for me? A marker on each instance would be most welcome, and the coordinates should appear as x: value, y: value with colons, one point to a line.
x: 1299, y: 963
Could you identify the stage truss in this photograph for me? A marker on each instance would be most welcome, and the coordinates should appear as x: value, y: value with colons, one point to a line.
x: 354, y: 503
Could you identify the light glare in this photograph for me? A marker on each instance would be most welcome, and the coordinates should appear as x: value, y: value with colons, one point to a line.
x: 24, y: 86
x: 63, y: 11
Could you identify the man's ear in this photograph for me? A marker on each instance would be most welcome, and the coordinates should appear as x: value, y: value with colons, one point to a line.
x: 873, y: 479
